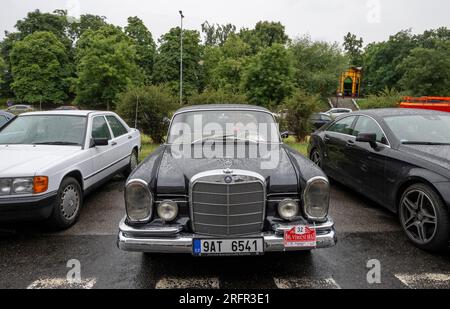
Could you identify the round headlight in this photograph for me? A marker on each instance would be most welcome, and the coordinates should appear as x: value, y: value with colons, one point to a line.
x: 288, y: 209
x: 167, y: 210
x: 138, y: 201
x: 316, y: 198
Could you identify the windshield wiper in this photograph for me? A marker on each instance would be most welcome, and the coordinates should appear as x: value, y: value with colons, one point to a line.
x: 223, y: 137
x: 58, y: 143
x: 424, y: 143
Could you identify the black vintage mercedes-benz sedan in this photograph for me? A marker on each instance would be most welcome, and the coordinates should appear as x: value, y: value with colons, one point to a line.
x: 399, y: 158
x: 225, y: 184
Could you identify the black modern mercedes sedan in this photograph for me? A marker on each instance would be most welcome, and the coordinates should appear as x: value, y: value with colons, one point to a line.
x: 225, y: 184
x: 400, y: 158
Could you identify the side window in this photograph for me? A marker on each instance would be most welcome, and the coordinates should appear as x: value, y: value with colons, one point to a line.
x: 100, y: 128
x: 3, y: 120
x: 367, y: 125
x: 116, y: 126
x: 343, y: 126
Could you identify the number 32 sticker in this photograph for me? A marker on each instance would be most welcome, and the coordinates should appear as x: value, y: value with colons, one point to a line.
x: 300, y: 237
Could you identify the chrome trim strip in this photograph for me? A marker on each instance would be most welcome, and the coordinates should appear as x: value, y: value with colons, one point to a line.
x: 229, y: 225
x: 106, y: 167
x: 239, y: 215
x: 253, y: 203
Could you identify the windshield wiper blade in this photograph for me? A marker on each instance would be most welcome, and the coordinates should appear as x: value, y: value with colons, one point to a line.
x: 424, y: 143
x: 57, y: 143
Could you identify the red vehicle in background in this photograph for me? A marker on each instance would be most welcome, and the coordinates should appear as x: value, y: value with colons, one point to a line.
x: 432, y: 103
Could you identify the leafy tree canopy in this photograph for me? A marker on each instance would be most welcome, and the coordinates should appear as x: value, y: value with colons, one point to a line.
x: 353, y: 47
x: 106, y: 66
x: 84, y: 23
x: 264, y: 35
x: 217, y: 35
x: 41, y: 69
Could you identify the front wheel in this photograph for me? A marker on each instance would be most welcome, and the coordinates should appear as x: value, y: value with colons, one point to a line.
x: 134, y: 161
x: 316, y: 157
x: 67, y: 206
x: 424, y: 218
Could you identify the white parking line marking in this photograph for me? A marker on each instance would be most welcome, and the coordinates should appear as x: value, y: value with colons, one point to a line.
x: 425, y: 281
x: 306, y: 283
x: 188, y: 283
x: 60, y: 283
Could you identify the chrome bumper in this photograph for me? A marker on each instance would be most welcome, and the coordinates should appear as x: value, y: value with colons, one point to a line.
x: 171, y: 239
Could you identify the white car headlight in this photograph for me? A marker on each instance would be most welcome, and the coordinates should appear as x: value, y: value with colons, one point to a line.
x: 138, y: 201
x: 5, y: 186
x: 288, y: 209
x: 22, y: 185
x: 316, y: 198
x: 167, y: 210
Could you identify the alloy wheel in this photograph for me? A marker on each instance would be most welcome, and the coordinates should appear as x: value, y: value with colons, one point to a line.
x: 418, y: 216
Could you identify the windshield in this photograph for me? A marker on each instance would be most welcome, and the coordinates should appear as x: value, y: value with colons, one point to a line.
x: 252, y: 126
x: 420, y: 129
x: 44, y: 130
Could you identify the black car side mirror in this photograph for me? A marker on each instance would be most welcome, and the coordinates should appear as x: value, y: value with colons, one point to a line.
x: 370, y: 138
x: 99, y: 142
x: 285, y: 135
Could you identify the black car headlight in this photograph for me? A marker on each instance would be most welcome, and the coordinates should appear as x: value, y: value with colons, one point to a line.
x: 138, y: 201
x: 316, y: 199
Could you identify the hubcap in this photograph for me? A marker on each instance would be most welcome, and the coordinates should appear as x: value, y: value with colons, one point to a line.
x: 316, y: 157
x: 70, y: 202
x: 133, y: 162
x: 418, y: 216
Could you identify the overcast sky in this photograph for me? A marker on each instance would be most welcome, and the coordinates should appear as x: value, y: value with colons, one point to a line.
x: 328, y: 20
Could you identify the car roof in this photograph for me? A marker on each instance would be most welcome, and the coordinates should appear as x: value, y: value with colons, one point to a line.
x: 4, y: 113
x: 223, y: 107
x: 67, y: 113
x: 388, y: 112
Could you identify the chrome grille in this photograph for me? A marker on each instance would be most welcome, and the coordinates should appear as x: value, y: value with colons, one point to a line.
x: 228, y: 209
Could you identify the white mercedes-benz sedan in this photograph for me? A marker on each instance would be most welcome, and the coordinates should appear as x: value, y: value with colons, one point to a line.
x: 50, y: 160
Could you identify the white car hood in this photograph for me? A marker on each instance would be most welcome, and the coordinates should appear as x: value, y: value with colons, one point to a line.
x: 27, y: 160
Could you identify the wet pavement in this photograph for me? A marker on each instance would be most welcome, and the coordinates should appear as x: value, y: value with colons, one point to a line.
x: 32, y: 257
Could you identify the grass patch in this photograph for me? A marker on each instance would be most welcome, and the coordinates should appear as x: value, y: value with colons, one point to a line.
x: 146, y: 150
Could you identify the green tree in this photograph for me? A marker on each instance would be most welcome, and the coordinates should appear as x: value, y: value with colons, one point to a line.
x: 155, y: 103
x: 264, y: 35
x: 145, y: 46
x: 220, y: 96
x: 426, y: 71
x: 387, y: 98
x: 224, y: 65
x: 353, y: 47
x: 106, y: 66
x: 217, y: 35
x: 267, y: 79
x: 318, y: 66
x: 41, y: 69
x: 84, y: 23
x: 2, y: 70
x: 299, y: 107
x: 167, y: 61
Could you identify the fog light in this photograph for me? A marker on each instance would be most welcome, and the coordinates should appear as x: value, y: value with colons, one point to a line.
x: 288, y: 209
x: 167, y: 210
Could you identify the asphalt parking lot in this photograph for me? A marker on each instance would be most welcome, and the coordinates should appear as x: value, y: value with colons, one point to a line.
x: 31, y: 257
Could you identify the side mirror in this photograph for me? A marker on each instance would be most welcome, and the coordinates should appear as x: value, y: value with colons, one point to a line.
x: 285, y: 135
x: 99, y: 142
x: 370, y: 138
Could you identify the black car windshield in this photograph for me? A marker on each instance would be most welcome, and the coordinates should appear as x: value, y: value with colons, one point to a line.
x: 420, y: 129
x: 200, y: 126
x: 44, y: 130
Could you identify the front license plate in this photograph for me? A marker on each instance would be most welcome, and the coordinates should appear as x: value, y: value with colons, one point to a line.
x: 242, y: 246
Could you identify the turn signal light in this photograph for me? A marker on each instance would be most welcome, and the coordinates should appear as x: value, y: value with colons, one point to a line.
x: 40, y: 184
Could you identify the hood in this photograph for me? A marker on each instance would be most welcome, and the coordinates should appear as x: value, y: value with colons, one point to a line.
x: 26, y: 160
x: 175, y: 172
x: 439, y: 155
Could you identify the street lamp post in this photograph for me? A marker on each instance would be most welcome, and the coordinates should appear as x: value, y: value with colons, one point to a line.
x: 181, y: 59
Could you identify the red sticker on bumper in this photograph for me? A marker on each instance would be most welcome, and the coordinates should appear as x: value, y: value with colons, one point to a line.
x: 300, y: 237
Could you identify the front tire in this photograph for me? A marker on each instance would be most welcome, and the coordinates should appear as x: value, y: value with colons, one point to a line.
x: 67, y: 206
x: 424, y: 218
x: 134, y: 161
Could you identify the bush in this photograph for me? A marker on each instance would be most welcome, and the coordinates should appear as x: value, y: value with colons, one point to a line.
x: 388, y: 98
x: 299, y: 108
x: 155, y: 103
x: 217, y: 97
